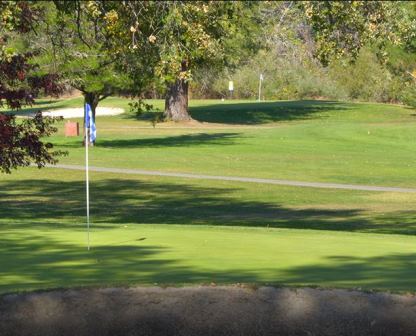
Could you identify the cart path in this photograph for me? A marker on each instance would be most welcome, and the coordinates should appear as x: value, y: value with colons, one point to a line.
x: 237, y: 179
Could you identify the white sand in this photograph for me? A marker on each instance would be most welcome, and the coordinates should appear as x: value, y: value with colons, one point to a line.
x: 79, y: 112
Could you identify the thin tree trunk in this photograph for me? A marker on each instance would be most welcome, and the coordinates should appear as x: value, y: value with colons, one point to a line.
x: 176, y: 102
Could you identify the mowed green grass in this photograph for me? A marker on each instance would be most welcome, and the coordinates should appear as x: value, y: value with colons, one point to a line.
x: 168, y: 231
x: 323, y: 141
x: 149, y: 230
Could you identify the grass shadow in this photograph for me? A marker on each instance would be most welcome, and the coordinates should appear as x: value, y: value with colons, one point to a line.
x: 39, y: 105
x: 115, y: 202
x: 386, y: 271
x: 174, y: 141
x: 41, y: 262
x: 198, y: 139
x: 252, y: 113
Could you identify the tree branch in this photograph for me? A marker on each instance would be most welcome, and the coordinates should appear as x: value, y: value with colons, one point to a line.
x: 79, y: 25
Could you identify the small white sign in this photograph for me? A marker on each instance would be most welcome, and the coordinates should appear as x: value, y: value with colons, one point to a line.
x: 230, y: 86
x: 261, y: 77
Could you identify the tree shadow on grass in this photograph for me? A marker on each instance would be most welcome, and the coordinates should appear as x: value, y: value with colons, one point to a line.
x: 39, y: 261
x: 186, y: 140
x: 115, y: 202
x: 397, y: 272
x: 36, y: 107
x: 24, y: 112
x: 253, y: 113
x: 42, y: 262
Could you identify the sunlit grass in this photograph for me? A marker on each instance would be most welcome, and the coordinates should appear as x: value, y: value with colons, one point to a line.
x: 167, y: 231
x: 303, y: 140
x: 148, y: 230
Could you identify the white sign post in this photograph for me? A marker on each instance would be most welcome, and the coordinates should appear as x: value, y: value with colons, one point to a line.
x: 260, y: 81
x: 231, y: 88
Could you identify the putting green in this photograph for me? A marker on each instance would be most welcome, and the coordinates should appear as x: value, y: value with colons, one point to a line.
x: 160, y: 230
x: 163, y: 254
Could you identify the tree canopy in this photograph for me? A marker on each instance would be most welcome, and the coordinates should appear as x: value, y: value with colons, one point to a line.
x: 105, y: 48
x: 342, y: 28
x: 80, y: 42
x: 180, y: 37
x: 21, y: 143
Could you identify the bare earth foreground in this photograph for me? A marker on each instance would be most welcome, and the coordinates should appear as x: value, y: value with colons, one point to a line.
x: 231, y: 310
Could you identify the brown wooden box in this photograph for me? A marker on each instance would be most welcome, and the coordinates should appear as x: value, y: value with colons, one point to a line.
x: 71, y: 129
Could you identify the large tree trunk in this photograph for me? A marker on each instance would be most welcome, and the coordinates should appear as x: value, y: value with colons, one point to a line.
x: 92, y: 99
x: 176, y: 102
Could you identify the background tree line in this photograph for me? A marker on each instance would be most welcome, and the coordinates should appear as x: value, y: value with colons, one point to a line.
x: 376, y: 68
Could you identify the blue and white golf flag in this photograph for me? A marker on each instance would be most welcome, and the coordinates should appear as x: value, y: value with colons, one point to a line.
x: 90, y: 130
x: 89, y: 123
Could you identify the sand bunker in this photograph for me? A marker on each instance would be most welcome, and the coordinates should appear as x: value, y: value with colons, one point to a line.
x: 79, y: 112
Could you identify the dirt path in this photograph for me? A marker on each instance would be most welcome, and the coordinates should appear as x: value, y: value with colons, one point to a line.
x: 239, y: 179
x: 212, y: 311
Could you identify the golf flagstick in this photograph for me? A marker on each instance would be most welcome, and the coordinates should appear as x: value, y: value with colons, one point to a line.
x: 87, y: 177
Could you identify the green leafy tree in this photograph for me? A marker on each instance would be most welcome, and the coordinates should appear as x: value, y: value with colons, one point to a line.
x: 342, y: 28
x: 402, y: 61
x: 184, y: 36
x: 22, y: 143
x: 303, y: 38
x: 198, y: 34
x: 80, y: 41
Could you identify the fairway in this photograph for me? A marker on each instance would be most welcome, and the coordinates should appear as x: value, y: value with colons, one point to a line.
x: 316, y: 141
x: 177, y: 231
